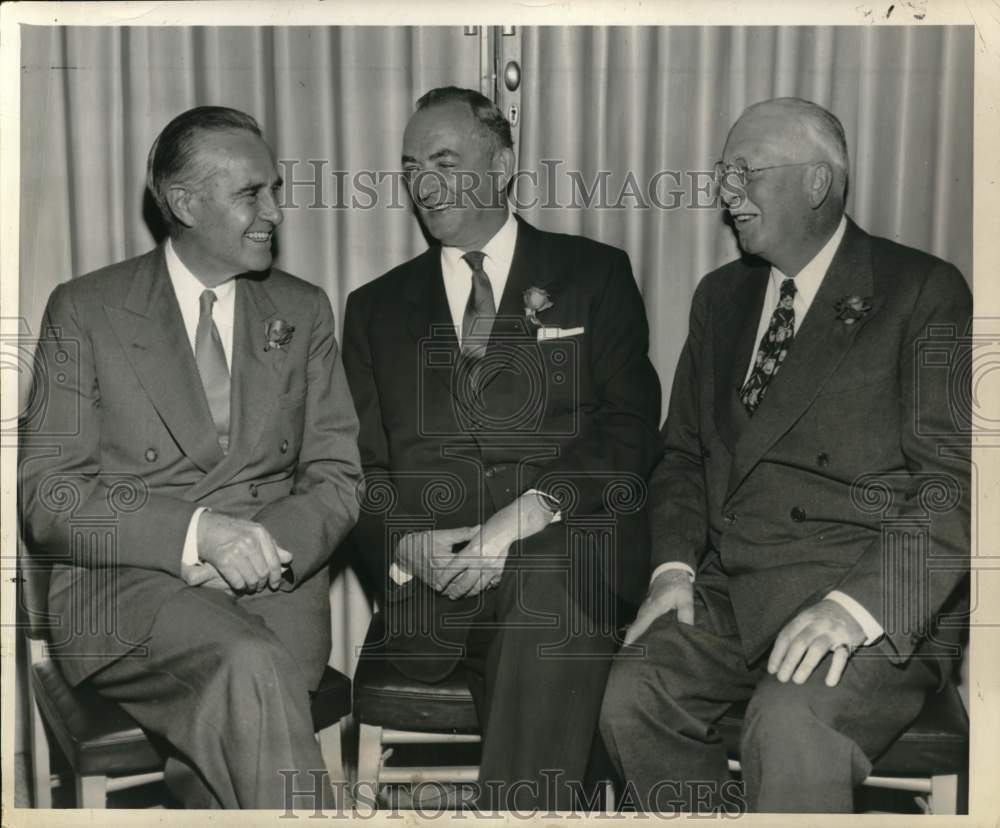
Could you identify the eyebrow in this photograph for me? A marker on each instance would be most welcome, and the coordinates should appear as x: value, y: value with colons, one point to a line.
x: 257, y: 186
x: 441, y: 153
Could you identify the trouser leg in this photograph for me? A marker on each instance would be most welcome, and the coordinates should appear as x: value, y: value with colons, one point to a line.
x: 220, y: 686
x: 806, y: 747
x: 663, y: 697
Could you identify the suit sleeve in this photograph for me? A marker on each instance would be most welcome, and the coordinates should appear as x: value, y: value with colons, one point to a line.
x: 935, y: 441
x: 322, y: 507
x: 368, y: 538
x: 619, y: 435
x: 61, y: 476
x: 678, y: 500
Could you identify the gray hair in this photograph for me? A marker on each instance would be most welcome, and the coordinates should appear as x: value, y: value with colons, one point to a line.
x: 173, y: 158
x: 822, y: 126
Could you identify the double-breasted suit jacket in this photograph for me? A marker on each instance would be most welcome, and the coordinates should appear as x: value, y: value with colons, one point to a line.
x: 119, y: 449
x: 861, y: 443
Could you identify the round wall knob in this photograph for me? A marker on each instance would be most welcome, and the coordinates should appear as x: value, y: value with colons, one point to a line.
x: 512, y: 75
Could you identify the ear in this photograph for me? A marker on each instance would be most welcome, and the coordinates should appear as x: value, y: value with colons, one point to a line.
x: 820, y: 182
x: 503, y: 163
x: 180, y: 200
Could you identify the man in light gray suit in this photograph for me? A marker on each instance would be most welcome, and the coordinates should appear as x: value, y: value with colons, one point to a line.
x: 197, y: 393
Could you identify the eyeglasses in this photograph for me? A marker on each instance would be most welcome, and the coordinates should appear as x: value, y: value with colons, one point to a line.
x: 739, y: 173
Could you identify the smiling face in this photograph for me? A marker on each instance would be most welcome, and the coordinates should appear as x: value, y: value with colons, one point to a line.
x: 456, y: 174
x: 229, y: 217
x: 774, y: 218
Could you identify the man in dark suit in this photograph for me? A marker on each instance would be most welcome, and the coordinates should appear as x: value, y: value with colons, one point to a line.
x: 805, y: 431
x: 195, y: 398
x: 508, y: 418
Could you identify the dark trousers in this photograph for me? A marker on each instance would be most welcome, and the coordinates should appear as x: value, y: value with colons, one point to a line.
x: 804, y: 747
x: 229, y: 695
x: 536, y: 651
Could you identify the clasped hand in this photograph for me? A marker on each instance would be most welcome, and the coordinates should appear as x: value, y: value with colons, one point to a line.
x: 238, y: 556
x: 480, y: 563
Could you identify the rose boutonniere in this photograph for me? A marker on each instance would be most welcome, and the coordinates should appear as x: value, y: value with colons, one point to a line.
x: 536, y: 300
x: 852, y: 308
x: 277, y: 333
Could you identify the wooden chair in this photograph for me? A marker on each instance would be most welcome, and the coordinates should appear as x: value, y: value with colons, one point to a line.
x: 105, y: 748
x: 391, y: 709
x: 930, y: 759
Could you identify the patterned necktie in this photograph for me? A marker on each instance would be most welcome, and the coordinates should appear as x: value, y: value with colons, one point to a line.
x: 773, y: 348
x: 480, y: 310
x: 211, y: 360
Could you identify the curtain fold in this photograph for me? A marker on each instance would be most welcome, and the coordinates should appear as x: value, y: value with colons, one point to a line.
x: 640, y: 101
x: 606, y: 111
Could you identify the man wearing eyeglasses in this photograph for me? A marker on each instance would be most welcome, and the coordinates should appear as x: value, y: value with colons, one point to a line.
x: 803, y: 425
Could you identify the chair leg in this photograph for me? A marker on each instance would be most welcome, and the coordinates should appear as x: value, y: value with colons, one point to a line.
x: 41, y: 770
x: 944, y: 794
x: 92, y: 792
x: 331, y: 746
x: 369, y: 759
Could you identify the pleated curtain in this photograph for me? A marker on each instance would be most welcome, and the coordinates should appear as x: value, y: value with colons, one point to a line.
x: 651, y: 103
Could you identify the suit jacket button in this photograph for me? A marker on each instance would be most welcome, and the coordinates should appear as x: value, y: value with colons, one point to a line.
x: 284, y: 446
x: 253, y: 490
x: 491, y: 471
x: 822, y: 459
x: 730, y: 518
x: 705, y: 452
x: 798, y: 514
x: 151, y: 455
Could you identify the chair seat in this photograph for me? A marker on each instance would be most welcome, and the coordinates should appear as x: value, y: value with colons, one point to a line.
x: 385, y: 697
x: 937, y: 743
x: 96, y: 735
x: 99, y: 738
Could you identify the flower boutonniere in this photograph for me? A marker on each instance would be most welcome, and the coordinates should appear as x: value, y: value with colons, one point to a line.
x: 277, y: 333
x: 851, y: 308
x: 536, y: 300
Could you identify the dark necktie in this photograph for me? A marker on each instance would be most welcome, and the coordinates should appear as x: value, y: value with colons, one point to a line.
x: 211, y: 360
x: 480, y: 310
x: 773, y: 348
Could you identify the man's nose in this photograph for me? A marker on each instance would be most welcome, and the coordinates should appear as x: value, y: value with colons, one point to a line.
x: 269, y: 210
x: 429, y: 187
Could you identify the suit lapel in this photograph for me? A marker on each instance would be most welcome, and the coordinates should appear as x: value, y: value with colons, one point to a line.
x: 151, y: 332
x: 429, y: 318
x: 735, y: 341
x: 820, y: 345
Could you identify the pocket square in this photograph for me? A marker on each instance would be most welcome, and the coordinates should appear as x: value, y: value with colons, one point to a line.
x: 551, y: 332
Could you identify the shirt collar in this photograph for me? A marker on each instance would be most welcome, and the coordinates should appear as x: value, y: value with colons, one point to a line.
x: 187, y: 286
x: 808, y: 280
x: 499, y: 250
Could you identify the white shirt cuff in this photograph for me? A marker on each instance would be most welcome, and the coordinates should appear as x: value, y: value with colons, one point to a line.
x: 872, y: 629
x: 399, y: 575
x: 556, y: 515
x: 664, y: 567
x: 189, y: 554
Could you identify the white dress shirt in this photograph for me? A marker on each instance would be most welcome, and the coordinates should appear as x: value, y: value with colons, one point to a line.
x: 807, y: 282
x: 498, y: 255
x: 188, y: 289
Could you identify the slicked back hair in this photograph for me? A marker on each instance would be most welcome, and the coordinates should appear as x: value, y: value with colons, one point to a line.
x: 487, y: 113
x: 823, y: 127
x: 173, y: 158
